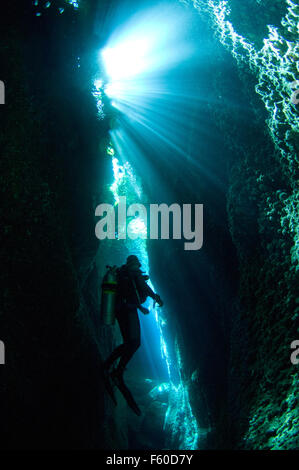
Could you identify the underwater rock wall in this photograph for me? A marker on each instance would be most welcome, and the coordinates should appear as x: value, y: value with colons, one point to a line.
x: 233, y: 310
x: 262, y: 201
x: 51, y: 394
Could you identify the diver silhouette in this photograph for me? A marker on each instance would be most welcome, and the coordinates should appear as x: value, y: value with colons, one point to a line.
x: 133, y: 290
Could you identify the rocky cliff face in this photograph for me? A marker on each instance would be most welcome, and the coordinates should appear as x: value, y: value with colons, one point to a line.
x: 51, y: 391
x: 238, y: 295
x: 233, y: 310
x: 261, y: 197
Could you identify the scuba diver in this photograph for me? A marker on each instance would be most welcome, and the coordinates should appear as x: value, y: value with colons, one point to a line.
x: 132, y: 292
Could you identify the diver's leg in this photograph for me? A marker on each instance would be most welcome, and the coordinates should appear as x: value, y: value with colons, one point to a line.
x: 131, y: 334
x: 119, y: 350
x: 116, y: 353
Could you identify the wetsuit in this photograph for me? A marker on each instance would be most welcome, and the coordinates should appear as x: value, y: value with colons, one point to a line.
x: 133, y: 292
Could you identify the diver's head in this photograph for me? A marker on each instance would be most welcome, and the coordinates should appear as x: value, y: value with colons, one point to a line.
x: 133, y: 262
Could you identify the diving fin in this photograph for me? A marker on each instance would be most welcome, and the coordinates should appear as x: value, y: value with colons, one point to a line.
x: 118, y: 381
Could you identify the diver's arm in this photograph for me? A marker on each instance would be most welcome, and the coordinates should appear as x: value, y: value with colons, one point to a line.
x: 156, y: 297
x: 158, y: 300
x: 148, y: 290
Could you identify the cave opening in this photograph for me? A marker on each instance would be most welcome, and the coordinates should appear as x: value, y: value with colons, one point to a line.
x: 171, y: 102
x: 151, y: 78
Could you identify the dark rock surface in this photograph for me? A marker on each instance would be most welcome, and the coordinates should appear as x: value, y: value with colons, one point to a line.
x: 233, y: 306
x: 51, y: 393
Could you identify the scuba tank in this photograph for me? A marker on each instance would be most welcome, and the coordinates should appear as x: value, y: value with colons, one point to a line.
x: 109, y: 292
